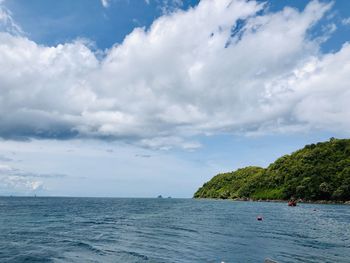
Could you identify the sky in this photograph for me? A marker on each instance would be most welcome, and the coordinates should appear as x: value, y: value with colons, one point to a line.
x: 137, y: 98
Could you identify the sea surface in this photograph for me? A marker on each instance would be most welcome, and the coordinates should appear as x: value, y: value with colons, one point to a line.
x: 170, y: 230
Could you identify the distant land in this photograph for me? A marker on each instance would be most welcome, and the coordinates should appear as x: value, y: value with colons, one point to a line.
x: 317, y: 172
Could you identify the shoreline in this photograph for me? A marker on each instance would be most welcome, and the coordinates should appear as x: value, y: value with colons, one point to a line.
x: 319, y: 202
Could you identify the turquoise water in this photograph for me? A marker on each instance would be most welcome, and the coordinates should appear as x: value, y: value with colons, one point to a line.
x: 170, y: 230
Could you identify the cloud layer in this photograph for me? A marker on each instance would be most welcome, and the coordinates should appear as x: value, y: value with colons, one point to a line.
x: 221, y: 67
x: 14, y: 180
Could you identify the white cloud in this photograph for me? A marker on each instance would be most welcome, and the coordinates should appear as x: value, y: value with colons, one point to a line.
x: 166, y: 143
x: 105, y: 3
x: 17, y: 184
x: 168, y: 6
x: 233, y: 70
x: 7, y: 23
x: 100, y: 168
x: 346, y: 21
x: 15, y: 181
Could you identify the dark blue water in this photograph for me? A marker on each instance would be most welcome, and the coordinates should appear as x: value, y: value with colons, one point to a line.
x: 170, y: 230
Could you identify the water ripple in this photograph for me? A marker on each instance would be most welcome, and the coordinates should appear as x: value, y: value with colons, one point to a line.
x: 170, y: 230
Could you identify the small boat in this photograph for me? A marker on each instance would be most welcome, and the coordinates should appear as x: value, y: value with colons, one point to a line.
x: 292, y: 203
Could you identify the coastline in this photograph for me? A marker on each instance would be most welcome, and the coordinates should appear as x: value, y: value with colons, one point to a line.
x: 323, y: 202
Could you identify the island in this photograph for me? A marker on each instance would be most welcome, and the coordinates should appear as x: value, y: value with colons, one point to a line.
x: 317, y: 172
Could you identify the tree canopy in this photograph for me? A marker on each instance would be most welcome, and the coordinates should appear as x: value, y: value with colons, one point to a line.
x: 317, y: 172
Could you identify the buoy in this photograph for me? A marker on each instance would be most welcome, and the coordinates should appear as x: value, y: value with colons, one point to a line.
x: 259, y: 218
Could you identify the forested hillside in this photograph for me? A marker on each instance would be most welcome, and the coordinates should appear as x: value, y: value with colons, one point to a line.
x: 317, y: 172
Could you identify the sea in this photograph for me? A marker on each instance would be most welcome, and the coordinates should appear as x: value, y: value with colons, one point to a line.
x: 57, y: 229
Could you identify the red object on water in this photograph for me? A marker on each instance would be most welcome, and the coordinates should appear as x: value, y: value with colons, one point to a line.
x: 292, y: 203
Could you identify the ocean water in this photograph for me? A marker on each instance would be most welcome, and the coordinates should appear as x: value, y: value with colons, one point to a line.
x: 170, y: 230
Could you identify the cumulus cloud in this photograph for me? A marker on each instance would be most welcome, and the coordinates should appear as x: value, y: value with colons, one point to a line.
x: 220, y: 67
x: 15, y: 180
x: 18, y: 181
x: 19, y: 184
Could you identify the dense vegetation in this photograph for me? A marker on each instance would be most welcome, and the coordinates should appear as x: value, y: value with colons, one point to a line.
x: 317, y: 172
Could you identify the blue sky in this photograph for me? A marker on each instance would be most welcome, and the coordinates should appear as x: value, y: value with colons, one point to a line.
x: 54, y: 22
x: 139, y: 98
